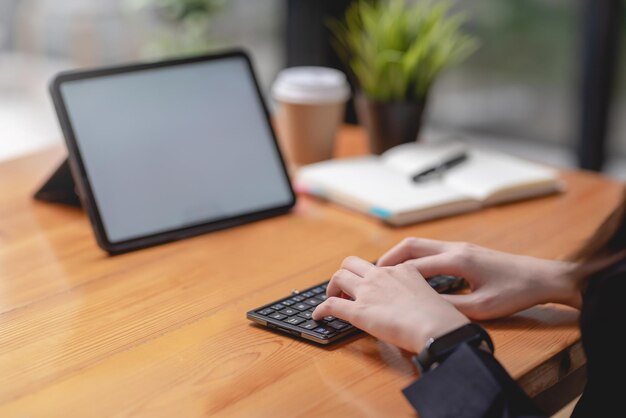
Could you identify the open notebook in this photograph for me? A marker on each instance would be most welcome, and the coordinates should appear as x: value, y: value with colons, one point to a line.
x: 383, y: 186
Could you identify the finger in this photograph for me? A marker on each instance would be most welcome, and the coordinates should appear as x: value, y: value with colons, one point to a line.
x: 411, y: 248
x: 466, y: 303
x: 343, y: 281
x: 337, y: 307
x: 437, y: 264
x: 357, y: 265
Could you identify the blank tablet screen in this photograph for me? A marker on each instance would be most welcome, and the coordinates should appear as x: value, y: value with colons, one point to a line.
x: 171, y: 147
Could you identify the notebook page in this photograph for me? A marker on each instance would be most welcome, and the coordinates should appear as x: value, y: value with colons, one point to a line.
x: 366, y: 184
x: 415, y: 157
x: 495, y: 177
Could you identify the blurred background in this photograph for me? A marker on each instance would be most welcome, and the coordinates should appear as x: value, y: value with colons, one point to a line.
x: 520, y: 92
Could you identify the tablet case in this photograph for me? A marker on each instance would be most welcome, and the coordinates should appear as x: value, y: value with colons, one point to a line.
x: 60, y: 187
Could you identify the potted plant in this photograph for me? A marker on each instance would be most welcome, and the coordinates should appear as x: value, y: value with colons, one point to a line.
x: 394, y: 51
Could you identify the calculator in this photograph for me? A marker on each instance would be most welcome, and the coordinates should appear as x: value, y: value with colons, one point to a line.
x: 292, y: 314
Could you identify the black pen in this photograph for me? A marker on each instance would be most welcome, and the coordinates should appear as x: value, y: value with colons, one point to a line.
x: 438, y: 170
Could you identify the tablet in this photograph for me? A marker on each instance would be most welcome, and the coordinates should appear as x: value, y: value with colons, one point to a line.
x: 163, y: 151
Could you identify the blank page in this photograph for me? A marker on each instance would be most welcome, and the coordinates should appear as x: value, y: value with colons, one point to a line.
x: 486, y: 173
x: 371, y: 186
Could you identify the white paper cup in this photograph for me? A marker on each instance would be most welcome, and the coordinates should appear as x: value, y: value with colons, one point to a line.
x: 311, y: 103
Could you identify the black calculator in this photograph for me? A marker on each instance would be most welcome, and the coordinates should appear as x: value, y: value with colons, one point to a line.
x: 292, y: 314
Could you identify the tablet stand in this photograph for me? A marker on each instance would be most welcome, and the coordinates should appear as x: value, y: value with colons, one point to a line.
x: 60, y: 187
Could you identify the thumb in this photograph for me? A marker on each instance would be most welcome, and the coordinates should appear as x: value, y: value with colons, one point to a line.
x: 466, y: 303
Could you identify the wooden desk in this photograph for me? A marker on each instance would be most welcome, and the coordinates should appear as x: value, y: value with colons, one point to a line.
x: 162, y: 332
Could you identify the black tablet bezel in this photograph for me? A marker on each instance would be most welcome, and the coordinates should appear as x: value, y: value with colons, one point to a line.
x: 82, y: 181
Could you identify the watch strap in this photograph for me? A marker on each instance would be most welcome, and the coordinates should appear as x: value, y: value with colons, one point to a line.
x: 437, y: 349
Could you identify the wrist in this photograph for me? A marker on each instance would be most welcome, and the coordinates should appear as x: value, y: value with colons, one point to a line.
x: 434, y: 331
x: 560, y: 285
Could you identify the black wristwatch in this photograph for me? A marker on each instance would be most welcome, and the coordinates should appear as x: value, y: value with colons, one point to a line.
x: 436, y: 350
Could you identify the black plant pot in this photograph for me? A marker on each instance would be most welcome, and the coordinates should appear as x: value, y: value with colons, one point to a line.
x: 389, y: 123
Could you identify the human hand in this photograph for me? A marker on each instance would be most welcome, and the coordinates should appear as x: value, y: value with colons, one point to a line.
x: 394, y: 304
x: 501, y: 283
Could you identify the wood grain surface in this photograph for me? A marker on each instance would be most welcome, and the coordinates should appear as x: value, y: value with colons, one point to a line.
x: 163, y: 332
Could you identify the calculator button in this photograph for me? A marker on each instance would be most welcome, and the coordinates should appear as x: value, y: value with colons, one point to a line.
x: 277, y: 315
x: 301, y: 306
x: 287, y: 302
x: 313, y: 302
x: 308, y: 294
x: 297, y: 298
x: 265, y: 311
x: 309, y: 325
x: 318, y: 290
x: 305, y: 315
x: 288, y: 311
x: 294, y: 320
x: 329, y: 318
x: 324, y: 331
x: 339, y: 325
x: 277, y: 307
x: 322, y: 297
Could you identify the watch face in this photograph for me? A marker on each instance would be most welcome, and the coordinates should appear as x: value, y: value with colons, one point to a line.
x: 468, y: 333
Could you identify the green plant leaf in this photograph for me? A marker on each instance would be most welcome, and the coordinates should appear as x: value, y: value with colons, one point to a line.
x: 395, y: 50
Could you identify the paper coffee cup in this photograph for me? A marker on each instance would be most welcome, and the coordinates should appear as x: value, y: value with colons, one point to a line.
x: 311, y: 104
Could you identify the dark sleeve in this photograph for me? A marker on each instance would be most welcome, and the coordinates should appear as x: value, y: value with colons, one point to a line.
x: 470, y: 383
x: 602, y: 323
